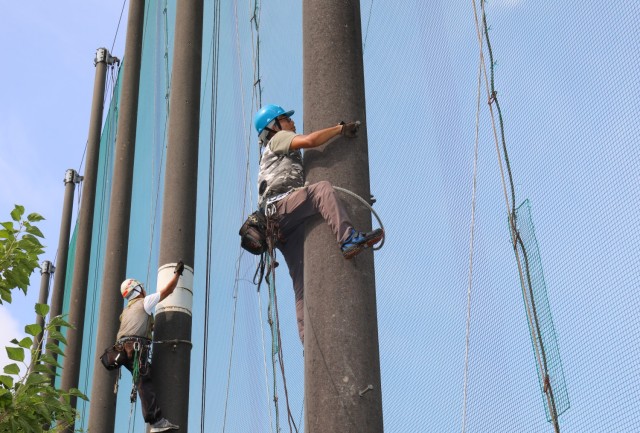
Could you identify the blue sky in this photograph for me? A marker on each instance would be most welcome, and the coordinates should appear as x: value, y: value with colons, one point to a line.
x: 45, y: 89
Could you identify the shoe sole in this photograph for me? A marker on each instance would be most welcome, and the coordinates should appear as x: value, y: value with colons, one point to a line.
x: 354, y: 251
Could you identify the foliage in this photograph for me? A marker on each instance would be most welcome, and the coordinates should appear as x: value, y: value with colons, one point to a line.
x: 29, y: 402
x: 19, y: 251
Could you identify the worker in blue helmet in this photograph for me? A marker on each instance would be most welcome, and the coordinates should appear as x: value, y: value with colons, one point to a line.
x: 282, y: 191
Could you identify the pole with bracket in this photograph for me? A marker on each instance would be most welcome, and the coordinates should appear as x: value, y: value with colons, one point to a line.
x: 171, y: 362
x: 82, y: 259
x: 102, y: 408
x: 71, y: 178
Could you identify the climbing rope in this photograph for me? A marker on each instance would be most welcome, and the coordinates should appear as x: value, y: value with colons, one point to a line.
x: 214, y: 58
x: 471, y: 250
x: 534, y: 326
x: 363, y: 201
x: 274, y: 319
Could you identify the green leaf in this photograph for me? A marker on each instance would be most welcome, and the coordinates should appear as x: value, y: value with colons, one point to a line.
x: 48, y: 359
x: 35, y: 231
x: 42, y: 369
x: 42, y: 309
x: 4, y: 234
x: 36, y: 379
x: 15, y: 353
x: 53, y: 348
x: 26, y: 342
x: 7, y: 381
x: 17, y: 212
x: 33, y: 329
x: 15, y: 341
x: 8, y: 225
x: 57, y: 336
x: 59, y: 321
x: 12, y: 369
x: 76, y: 393
x: 5, y: 295
x: 34, y: 217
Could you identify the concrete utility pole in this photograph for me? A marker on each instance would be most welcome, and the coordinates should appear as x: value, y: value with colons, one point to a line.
x: 73, y: 352
x: 71, y: 178
x: 46, y: 269
x: 342, y: 359
x: 102, y: 409
x: 172, y: 335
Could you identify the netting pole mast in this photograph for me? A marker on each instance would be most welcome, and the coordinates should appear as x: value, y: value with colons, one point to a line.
x: 342, y: 359
x: 102, y: 409
x: 172, y: 336
x: 71, y: 178
x: 82, y: 260
x: 46, y: 270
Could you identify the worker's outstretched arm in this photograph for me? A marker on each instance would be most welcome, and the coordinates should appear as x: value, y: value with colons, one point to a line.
x: 173, y: 282
x: 318, y: 138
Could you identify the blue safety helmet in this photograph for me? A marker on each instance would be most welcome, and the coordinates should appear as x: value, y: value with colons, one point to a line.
x: 267, y: 114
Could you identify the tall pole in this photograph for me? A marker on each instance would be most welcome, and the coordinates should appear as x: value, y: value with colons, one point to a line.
x: 102, y: 407
x: 172, y: 335
x: 73, y: 352
x: 71, y: 178
x: 342, y: 360
x: 46, y: 269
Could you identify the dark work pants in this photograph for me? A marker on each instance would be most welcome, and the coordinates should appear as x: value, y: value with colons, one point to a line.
x: 293, y: 211
x: 150, y: 410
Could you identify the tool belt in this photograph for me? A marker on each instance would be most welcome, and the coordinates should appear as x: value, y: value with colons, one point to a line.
x: 124, y: 350
x: 253, y: 233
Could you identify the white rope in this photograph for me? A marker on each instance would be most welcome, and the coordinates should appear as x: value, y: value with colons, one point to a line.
x: 264, y: 357
x: 363, y: 201
x: 471, y: 249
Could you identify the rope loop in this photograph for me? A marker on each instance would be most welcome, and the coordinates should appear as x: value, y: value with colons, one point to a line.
x: 363, y: 201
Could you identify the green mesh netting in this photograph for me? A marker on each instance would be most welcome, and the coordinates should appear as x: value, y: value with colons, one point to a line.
x: 539, y: 318
x: 567, y: 78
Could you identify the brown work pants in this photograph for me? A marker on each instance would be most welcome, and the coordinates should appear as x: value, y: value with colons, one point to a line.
x: 293, y: 211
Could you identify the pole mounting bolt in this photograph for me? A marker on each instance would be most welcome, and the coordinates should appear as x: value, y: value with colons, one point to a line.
x: 367, y: 389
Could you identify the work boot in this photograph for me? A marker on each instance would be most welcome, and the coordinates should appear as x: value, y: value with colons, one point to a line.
x: 358, y: 241
x: 162, y: 425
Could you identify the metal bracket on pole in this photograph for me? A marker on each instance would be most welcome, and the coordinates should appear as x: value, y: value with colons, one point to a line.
x: 47, y: 268
x: 72, y: 176
x: 103, y: 56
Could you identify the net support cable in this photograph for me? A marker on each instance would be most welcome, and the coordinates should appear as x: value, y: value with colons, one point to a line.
x: 534, y: 327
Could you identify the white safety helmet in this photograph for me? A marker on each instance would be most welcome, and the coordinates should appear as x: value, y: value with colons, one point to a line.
x: 130, y: 287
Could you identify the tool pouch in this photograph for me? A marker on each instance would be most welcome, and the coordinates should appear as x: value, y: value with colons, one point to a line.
x: 114, y: 357
x: 253, y: 233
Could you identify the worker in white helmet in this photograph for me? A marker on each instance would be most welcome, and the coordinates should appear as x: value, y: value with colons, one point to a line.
x: 136, y: 327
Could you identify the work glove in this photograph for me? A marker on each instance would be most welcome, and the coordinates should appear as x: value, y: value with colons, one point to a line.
x: 350, y: 130
x: 179, y: 268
